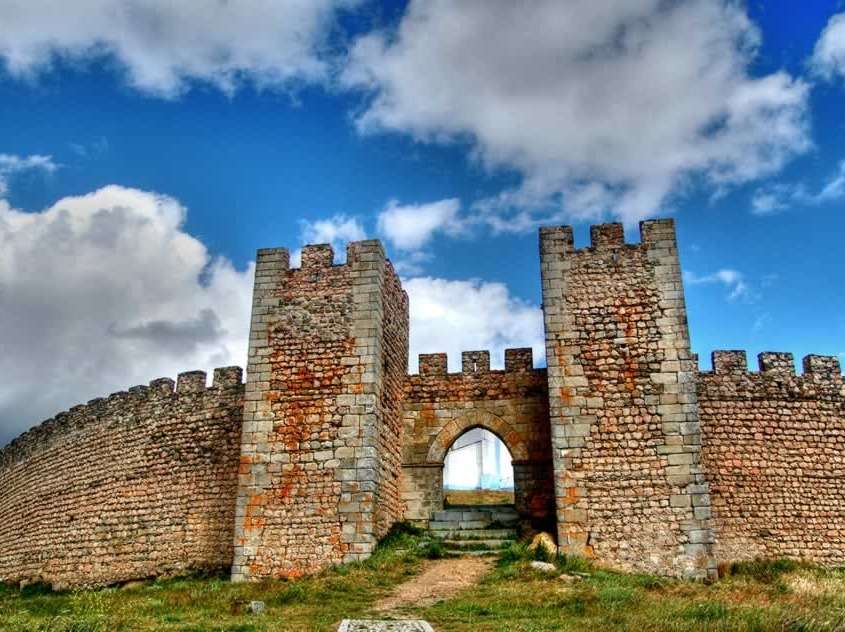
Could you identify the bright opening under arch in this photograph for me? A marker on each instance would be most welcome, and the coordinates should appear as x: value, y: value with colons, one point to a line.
x: 478, y: 469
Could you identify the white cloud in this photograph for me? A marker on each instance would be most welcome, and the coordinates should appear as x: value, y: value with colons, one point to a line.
x: 828, y: 58
x: 761, y: 322
x: 409, y: 227
x: 768, y: 200
x: 104, y: 291
x: 834, y: 188
x: 411, y: 264
x: 162, y: 45
x: 780, y: 197
x: 91, y: 149
x: 733, y: 280
x: 336, y: 230
x: 455, y: 316
x: 406, y: 227
x: 10, y: 165
x: 601, y: 107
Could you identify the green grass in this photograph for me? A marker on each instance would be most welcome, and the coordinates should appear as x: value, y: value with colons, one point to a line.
x: 754, y: 596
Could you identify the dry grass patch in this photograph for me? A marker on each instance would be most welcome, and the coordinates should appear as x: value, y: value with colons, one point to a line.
x: 479, y: 497
x: 755, y: 597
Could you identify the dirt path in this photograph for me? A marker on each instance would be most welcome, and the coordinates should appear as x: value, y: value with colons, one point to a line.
x: 439, y: 580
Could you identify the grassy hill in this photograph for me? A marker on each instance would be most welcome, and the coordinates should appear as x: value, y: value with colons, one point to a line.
x: 778, y: 595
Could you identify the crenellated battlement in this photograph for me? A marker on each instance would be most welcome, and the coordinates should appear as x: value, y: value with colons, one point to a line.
x: 431, y: 364
x: 145, y: 459
x: 822, y: 367
x: 779, y: 364
x: 76, y: 417
x: 607, y: 235
x: 316, y: 256
x: 654, y: 234
x: 772, y: 441
x: 273, y: 262
x: 517, y: 360
x: 474, y: 362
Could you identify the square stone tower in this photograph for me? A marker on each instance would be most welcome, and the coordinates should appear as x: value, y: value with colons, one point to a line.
x: 320, y: 449
x: 626, y: 441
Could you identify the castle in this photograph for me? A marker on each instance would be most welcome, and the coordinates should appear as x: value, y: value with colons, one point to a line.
x: 621, y: 446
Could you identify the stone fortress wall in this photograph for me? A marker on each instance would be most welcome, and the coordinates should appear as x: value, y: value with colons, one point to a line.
x: 773, y: 445
x: 131, y: 486
x: 621, y: 446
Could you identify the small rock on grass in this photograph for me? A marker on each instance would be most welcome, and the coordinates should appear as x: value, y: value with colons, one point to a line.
x: 134, y: 585
x: 569, y: 579
x: 544, y: 567
x: 544, y: 541
x: 256, y: 607
x: 374, y: 625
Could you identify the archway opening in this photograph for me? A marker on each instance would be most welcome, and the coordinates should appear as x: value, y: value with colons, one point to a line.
x: 478, y: 470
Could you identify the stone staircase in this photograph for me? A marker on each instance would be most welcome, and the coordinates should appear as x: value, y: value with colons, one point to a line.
x: 475, y: 530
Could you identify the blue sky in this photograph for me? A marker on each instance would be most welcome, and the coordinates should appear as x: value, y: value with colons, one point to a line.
x: 147, y: 150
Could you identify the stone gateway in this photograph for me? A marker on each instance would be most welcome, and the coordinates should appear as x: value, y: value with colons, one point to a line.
x: 621, y: 446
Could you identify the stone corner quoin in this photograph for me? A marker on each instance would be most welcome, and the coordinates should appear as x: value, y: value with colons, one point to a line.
x: 621, y: 446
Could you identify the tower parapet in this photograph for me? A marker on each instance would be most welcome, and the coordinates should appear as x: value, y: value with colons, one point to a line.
x: 622, y: 399
x: 320, y: 444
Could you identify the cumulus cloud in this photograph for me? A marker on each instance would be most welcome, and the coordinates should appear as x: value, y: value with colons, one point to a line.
x: 162, y: 45
x: 336, y: 230
x: 781, y: 196
x: 10, y: 165
x: 107, y: 290
x: 411, y: 226
x: 600, y: 107
x: 408, y: 228
x: 455, y: 316
x: 828, y: 60
x: 733, y: 280
x: 177, y: 336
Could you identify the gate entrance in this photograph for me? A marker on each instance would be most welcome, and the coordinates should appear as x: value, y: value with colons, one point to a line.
x: 478, y: 470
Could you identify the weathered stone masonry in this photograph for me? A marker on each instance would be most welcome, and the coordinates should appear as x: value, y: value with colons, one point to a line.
x: 625, y: 433
x: 320, y: 449
x: 621, y: 446
x: 441, y: 406
x: 131, y: 486
x: 773, y: 443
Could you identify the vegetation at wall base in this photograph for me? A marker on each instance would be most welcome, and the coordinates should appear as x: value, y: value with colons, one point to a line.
x: 754, y: 596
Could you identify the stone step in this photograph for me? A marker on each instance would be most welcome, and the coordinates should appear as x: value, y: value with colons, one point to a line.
x: 452, y: 525
x: 482, y: 508
x: 477, y: 545
x: 502, y: 509
x: 476, y: 534
x: 439, y: 525
x: 453, y: 515
x: 472, y: 553
x: 480, y: 515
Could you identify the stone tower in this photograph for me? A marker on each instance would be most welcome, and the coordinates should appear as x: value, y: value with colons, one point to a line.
x: 626, y: 440
x: 320, y: 448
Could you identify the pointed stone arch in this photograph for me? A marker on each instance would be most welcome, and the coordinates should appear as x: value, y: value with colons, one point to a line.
x: 444, y: 439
